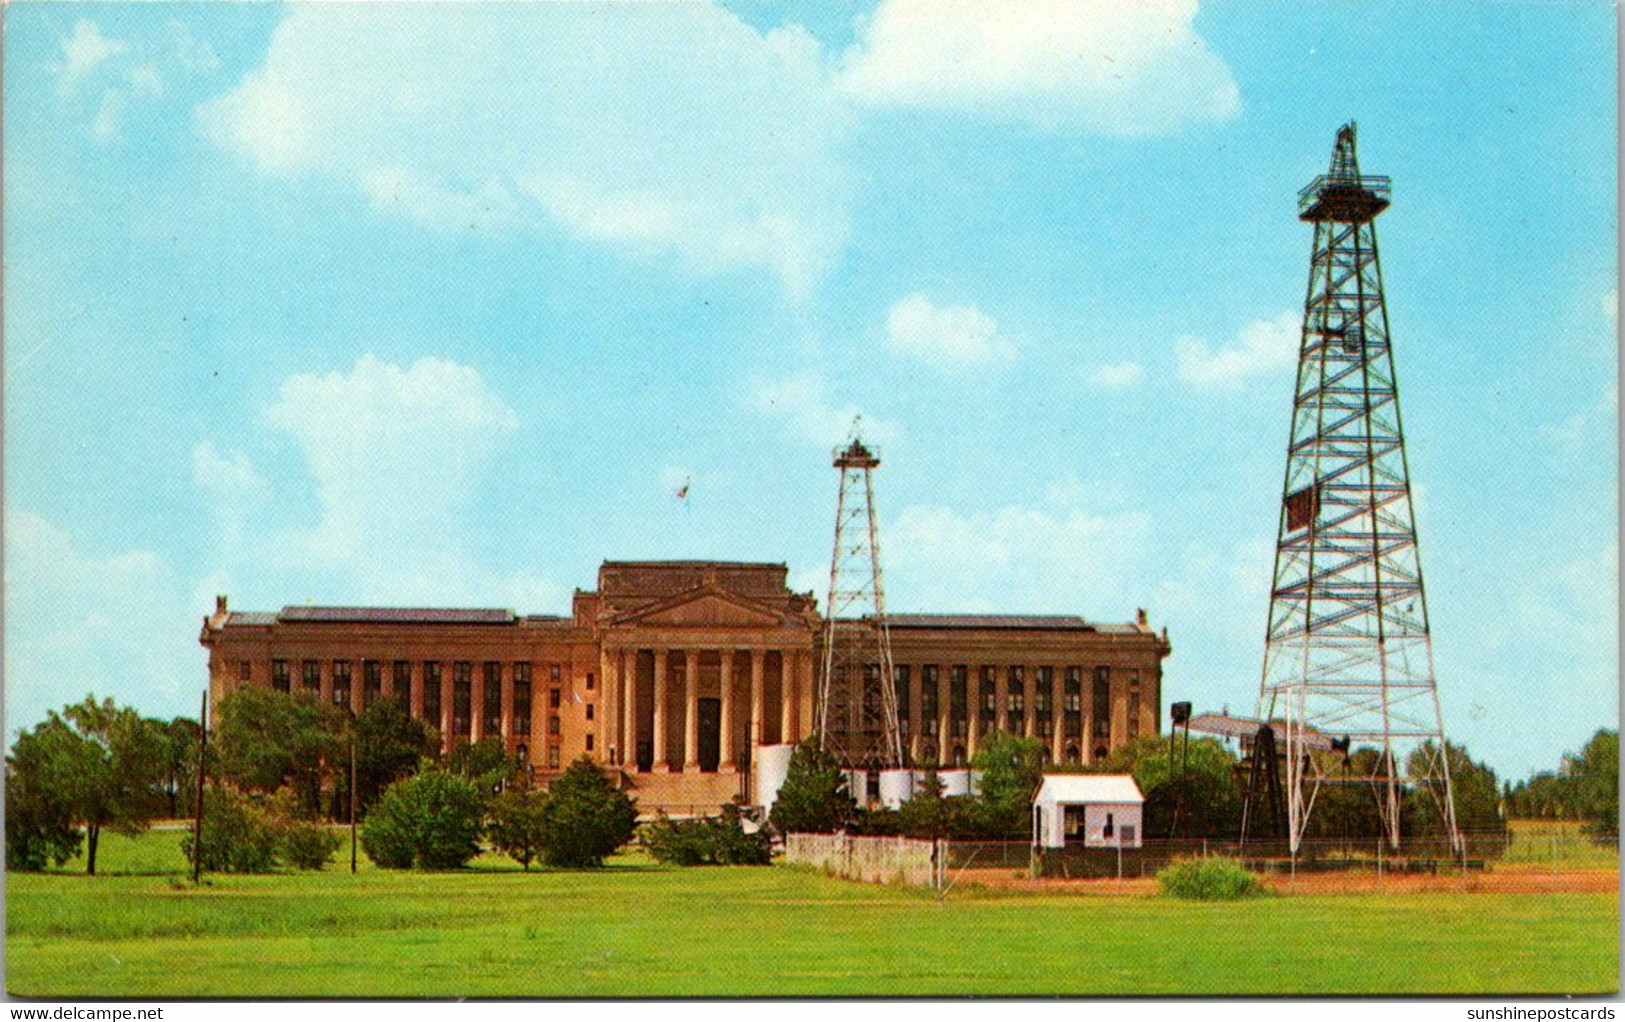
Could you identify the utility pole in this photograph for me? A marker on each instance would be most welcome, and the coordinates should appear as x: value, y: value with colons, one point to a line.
x: 202, y: 759
x: 352, y: 800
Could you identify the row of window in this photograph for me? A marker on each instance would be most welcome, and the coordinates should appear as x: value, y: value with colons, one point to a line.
x: 1015, y: 696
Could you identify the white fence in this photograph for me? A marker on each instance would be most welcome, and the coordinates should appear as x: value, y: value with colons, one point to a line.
x: 878, y: 860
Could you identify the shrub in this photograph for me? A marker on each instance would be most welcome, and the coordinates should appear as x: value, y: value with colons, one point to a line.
x: 585, y: 817
x: 306, y: 845
x: 708, y: 841
x: 518, y: 825
x: 431, y: 821
x: 239, y: 836
x: 813, y: 798
x: 1208, y: 880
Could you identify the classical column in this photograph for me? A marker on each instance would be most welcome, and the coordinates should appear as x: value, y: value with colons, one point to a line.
x: 609, y: 715
x: 447, y: 672
x: 916, y: 683
x: 758, y: 716
x: 1057, y: 715
x: 507, y: 704
x: 358, y: 686
x: 691, y: 711
x: 945, y: 674
x: 477, y: 724
x: 1029, y: 701
x: 660, y: 764
x: 324, y: 688
x: 727, y: 681
x: 1001, y: 698
x: 789, y: 668
x: 973, y: 703
x: 629, y: 708
x: 809, y: 688
x: 414, y: 695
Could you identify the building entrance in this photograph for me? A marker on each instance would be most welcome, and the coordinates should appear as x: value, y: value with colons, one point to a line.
x: 710, y: 734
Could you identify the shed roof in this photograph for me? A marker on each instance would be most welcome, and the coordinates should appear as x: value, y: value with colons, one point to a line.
x: 1073, y: 789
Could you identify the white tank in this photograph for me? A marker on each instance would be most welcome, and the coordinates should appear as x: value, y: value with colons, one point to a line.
x: 857, y: 785
x: 955, y: 782
x: 896, y: 787
x: 772, y: 767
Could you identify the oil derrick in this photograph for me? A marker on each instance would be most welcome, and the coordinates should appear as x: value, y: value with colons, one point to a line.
x: 857, y: 703
x: 1348, y: 652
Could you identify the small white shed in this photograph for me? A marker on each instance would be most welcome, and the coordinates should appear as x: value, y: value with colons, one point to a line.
x: 1096, y: 810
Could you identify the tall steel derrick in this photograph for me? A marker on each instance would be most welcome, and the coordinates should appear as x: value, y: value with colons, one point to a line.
x: 1348, y: 653
x: 857, y: 703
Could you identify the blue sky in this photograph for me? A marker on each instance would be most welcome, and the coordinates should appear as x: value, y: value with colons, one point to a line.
x: 427, y: 305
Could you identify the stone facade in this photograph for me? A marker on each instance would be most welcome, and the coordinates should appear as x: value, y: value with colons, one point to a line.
x: 672, y: 672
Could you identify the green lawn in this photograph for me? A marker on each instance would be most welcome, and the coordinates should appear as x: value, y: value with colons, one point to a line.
x: 1557, y: 844
x: 639, y: 929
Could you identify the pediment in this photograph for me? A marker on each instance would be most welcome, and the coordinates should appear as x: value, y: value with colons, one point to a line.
x: 706, y: 608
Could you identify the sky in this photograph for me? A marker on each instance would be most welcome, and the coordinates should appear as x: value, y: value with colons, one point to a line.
x: 432, y: 305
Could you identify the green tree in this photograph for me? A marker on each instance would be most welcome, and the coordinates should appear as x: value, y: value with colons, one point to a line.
x: 390, y: 744
x: 708, y: 841
x: 239, y: 834
x: 429, y: 821
x: 1477, y: 801
x: 585, y: 817
x: 1190, y: 792
x: 813, y: 798
x: 517, y: 827
x: 44, y: 763
x: 1595, y: 774
x: 484, y: 762
x: 180, y: 764
x: 1012, y: 766
x: 264, y: 739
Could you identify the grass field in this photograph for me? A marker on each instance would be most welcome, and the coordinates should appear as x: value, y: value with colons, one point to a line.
x: 1556, y: 844
x: 639, y: 929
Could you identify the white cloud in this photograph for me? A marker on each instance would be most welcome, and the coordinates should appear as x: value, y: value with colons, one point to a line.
x: 668, y: 131
x: 1119, y: 67
x: 1116, y: 375
x: 1261, y: 347
x: 79, y: 622
x: 948, y: 337
x: 104, y: 128
x: 398, y: 456
x: 86, y: 50
x: 194, y: 54
x: 145, y: 80
x: 1021, y: 558
x: 235, y: 492
x: 800, y: 400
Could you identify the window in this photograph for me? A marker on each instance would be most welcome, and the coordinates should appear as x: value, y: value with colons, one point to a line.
x: 372, y: 681
x: 521, y: 699
x: 553, y: 725
x: 341, y: 683
x: 492, y: 714
x: 1100, y: 706
x: 957, y: 686
x: 310, y: 672
x: 462, y: 689
x: 1016, y: 693
x: 245, y: 670
x: 590, y: 708
x: 990, y: 693
x: 279, y: 675
x: 928, y: 694
x: 403, y: 682
x: 1041, y: 690
x: 1074, y: 690
x: 552, y: 757
x: 900, y: 684
x: 554, y: 673
x: 431, y: 693
x: 589, y: 743
x: 554, y: 699
x: 1133, y: 706
x: 591, y: 682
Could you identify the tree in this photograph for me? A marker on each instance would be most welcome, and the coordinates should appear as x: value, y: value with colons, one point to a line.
x: 708, y: 841
x: 180, y: 754
x: 239, y: 834
x: 1595, y: 774
x: 585, y: 817
x: 813, y: 798
x: 1012, y: 767
x: 430, y: 821
x: 518, y: 825
x: 389, y: 745
x: 485, y: 762
x: 265, y: 739
x: 1191, y: 793
x: 40, y: 825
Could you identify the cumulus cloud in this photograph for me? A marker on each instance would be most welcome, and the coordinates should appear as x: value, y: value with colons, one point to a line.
x: 667, y: 131
x: 86, y: 50
x: 1118, y: 67
x: 1261, y: 347
x: 1115, y: 375
x: 79, y: 621
x: 1027, y: 558
x: 397, y: 456
x: 948, y: 337
x: 801, y: 401
x: 145, y: 80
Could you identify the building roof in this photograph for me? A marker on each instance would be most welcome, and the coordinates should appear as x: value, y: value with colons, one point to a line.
x: 1047, y: 622
x: 1245, y: 727
x: 1073, y: 789
x: 397, y: 615
x: 250, y: 617
x: 621, y: 580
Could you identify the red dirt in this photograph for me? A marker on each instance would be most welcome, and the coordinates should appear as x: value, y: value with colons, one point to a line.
x: 1572, y: 882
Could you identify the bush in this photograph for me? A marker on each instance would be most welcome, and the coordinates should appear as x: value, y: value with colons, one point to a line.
x: 431, y: 821
x: 585, y: 817
x: 709, y: 841
x: 1208, y: 880
x: 239, y: 836
x: 813, y: 798
x: 305, y: 845
x: 518, y: 825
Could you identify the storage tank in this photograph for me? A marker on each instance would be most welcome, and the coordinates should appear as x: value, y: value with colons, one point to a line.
x: 857, y: 785
x: 955, y: 782
x: 772, y: 767
x: 896, y: 787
